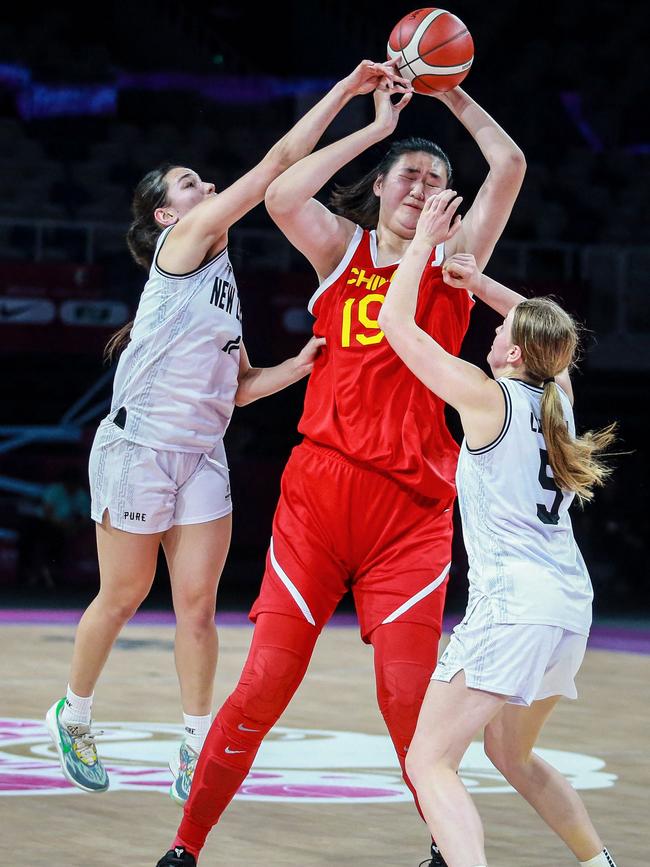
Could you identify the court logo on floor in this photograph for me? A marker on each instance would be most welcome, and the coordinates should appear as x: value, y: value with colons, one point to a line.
x: 302, y: 765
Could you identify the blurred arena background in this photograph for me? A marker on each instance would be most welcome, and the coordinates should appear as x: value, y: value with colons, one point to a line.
x: 89, y: 103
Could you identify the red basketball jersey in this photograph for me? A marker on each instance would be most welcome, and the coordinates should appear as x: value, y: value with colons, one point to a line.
x: 361, y: 399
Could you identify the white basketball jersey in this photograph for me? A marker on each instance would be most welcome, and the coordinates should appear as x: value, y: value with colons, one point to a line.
x: 177, y: 377
x: 516, y: 525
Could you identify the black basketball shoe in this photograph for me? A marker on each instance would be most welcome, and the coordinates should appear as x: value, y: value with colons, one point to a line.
x: 436, y: 859
x: 177, y: 857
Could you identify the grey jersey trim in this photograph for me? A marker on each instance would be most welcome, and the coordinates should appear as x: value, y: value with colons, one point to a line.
x: 196, y: 271
x: 504, y: 430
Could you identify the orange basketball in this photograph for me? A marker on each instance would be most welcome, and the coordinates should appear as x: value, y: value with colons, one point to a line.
x: 434, y: 48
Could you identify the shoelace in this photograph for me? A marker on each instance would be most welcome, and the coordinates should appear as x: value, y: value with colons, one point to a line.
x: 83, y: 744
x: 190, y: 765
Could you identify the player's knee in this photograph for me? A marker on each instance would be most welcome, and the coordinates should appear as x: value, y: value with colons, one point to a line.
x: 195, y: 615
x: 422, y: 765
x: 413, y: 766
x: 120, y: 609
x: 401, y: 686
x: 269, y: 681
x: 493, y: 749
x: 505, y: 757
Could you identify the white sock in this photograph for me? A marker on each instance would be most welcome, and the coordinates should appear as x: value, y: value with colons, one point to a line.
x: 196, y: 730
x: 603, y: 859
x: 76, y: 708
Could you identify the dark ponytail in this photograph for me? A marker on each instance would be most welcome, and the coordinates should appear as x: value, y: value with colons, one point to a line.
x: 141, y: 238
x: 117, y: 342
x: 359, y: 203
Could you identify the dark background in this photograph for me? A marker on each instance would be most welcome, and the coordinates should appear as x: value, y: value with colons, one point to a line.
x: 89, y: 103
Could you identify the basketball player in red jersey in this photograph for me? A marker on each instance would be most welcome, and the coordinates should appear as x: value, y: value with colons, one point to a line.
x: 367, y: 497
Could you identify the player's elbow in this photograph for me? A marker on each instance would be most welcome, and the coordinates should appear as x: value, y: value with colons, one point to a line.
x: 383, y: 320
x: 387, y: 322
x: 519, y: 160
x: 278, y: 198
x: 283, y: 155
x: 242, y: 396
x: 278, y: 159
x: 248, y: 389
x: 514, y: 164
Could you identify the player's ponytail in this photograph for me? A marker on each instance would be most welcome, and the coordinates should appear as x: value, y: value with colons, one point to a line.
x: 548, y: 338
x: 359, y: 202
x: 141, y: 238
x: 117, y: 342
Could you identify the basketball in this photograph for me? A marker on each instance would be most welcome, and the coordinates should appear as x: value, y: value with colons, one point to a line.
x: 434, y: 48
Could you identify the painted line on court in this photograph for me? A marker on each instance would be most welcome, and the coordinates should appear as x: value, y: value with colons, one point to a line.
x: 621, y: 639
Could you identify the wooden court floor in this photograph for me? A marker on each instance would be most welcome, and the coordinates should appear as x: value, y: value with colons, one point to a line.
x: 331, y: 740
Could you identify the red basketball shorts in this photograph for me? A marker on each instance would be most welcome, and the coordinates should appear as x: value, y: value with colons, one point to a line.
x: 340, y: 527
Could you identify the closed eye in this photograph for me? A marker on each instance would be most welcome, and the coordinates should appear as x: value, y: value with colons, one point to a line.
x: 432, y: 179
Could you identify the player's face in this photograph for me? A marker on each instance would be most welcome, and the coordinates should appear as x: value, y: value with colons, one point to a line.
x: 185, y: 190
x: 502, y: 346
x: 404, y: 189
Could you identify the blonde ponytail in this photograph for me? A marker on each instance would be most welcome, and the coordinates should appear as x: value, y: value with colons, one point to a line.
x: 574, y: 460
x: 548, y: 338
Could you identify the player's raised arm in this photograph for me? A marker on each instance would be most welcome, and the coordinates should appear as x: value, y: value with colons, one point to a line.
x: 204, y: 230
x: 489, y: 213
x: 312, y: 228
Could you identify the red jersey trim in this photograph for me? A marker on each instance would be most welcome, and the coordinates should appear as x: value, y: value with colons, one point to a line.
x: 352, y: 248
x: 340, y: 268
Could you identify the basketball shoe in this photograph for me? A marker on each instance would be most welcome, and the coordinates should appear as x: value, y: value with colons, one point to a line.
x: 183, y: 770
x: 177, y: 857
x: 75, y: 747
x: 436, y: 859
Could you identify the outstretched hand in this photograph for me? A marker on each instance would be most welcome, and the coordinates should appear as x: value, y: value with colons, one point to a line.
x: 367, y: 76
x: 387, y: 112
x: 304, y: 361
x: 461, y: 272
x: 438, y: 221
